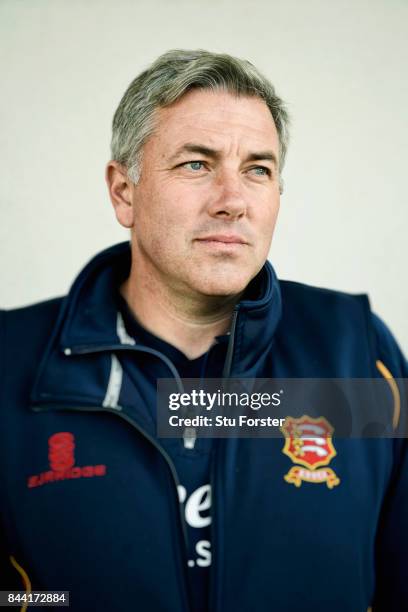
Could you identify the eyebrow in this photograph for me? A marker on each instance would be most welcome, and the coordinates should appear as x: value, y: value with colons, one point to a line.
x: 190, y: 147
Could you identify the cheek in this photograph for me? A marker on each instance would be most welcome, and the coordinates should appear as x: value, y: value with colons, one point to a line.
x: 266, y: 221
x: 161, y: 224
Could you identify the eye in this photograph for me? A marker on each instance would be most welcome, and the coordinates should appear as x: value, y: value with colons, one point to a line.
x: 260, y: 171
x: 193, y: 165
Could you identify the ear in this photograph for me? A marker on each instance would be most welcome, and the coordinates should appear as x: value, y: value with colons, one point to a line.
x: 120, y: 191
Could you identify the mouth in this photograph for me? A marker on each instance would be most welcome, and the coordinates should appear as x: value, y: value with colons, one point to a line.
x: 228, y: 240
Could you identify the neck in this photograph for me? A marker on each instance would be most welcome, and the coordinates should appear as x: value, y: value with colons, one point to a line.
x: 188, y: 322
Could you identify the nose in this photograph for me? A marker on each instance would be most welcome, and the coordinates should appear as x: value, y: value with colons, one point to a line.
x: 228, y: 198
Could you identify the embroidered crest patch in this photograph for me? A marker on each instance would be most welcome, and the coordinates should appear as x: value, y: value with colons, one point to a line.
x: 308, y: 443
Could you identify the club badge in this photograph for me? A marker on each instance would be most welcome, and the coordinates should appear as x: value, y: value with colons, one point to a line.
x: 308, y: 443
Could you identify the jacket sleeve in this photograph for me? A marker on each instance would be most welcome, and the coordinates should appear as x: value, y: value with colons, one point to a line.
x: 9, y: 577
x: 392, y: 537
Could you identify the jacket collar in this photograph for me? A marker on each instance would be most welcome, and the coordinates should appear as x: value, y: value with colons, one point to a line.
x: 89, y: 322
x: 91, y: 308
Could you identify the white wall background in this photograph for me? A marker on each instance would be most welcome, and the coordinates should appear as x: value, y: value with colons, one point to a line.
x: 341, y: 65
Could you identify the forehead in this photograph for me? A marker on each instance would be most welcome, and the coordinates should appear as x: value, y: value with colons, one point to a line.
x: 217, y: 118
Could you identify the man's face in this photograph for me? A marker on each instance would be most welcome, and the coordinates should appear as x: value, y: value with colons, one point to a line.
x: 206, y: 204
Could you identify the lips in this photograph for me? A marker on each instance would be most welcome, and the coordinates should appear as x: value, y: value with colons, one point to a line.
x: 224, y: 239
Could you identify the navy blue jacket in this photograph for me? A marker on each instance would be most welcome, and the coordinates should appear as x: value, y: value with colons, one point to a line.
x: 88, y: 496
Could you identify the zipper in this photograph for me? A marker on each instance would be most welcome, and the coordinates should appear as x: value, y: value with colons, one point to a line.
x: 230, y: 350
x: 164, y: 454
x: 215, y: 586
x: 189, y: 437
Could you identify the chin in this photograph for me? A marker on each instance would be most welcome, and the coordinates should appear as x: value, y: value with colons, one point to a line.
x: 222, y: 286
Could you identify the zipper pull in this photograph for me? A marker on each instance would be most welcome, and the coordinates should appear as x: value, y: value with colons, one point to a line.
x: 189, y: 437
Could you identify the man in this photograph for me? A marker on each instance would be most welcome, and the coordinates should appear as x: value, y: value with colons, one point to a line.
x: 92, y: 500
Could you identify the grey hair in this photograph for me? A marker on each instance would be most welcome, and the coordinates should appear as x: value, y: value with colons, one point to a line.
x: 171, y: 76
